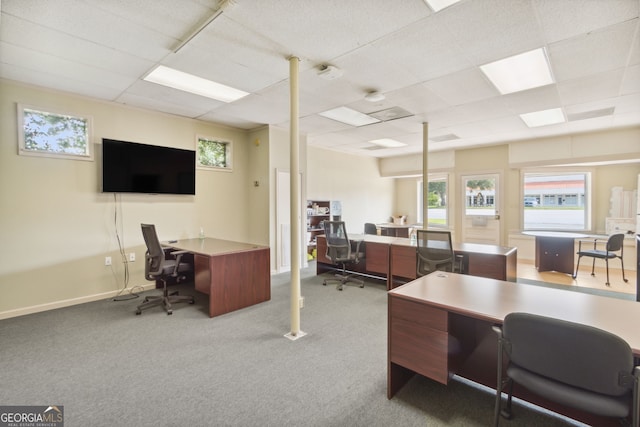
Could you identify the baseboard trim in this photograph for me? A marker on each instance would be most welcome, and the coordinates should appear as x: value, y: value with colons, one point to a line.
x: 67, y: 303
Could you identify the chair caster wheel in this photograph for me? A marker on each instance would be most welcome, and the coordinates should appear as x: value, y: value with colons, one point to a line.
x: 138, y: 312
x: 170, y: 312
x: 192, y: 302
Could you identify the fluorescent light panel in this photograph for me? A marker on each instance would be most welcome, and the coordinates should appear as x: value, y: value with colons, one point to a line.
x: 388, y: 143
x: 193, y: 84
x: 349, y: 116
x: 543, y: 118
x: 438, y: 5
x: 520, y: 72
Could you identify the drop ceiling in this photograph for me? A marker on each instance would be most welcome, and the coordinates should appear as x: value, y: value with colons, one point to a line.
x: 425, y: 63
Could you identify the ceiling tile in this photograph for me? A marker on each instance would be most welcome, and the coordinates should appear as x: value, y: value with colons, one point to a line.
x: 565, y: 19
x: 592, y: 53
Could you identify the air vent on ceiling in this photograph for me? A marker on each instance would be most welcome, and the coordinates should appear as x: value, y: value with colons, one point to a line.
x: 375, y: 147
x: 392, y: 113
x: 442, y: 138
x: 591, y: 114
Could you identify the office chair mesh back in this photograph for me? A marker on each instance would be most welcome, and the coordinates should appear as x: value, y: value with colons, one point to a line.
x: 434, y: 251
x: 157, y: 267
x: 570, y: 363
x: 370, y: 228
x: 155, y: 253
x: 338, y: 245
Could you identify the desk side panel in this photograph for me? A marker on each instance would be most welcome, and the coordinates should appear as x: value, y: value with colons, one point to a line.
x: 402, y: 262
x: 202, y: 275
x: 239, y: 280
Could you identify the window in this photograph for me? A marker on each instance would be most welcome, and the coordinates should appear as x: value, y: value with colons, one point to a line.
x: 214, y: 153
x: 480, y: 195
x: 53, y: 134
x: 437, y: 203
x: 556, y: 201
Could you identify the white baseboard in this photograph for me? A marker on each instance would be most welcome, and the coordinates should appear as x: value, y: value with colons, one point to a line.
x: 67, y: 303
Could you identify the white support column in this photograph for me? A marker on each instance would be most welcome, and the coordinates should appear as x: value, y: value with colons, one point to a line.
x: 294, y: 173
x: 425, y: 174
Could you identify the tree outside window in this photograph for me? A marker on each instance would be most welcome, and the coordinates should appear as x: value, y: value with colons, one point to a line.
x: 214, y: 153
x: 437, y: 208
x: 53, y: 134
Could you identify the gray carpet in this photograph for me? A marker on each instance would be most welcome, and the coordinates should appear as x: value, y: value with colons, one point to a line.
x: 109, y: 367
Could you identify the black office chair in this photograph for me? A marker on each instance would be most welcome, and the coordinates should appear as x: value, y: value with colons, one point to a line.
x: 157, y: 267
x: 575, y: 365
x: 370, y: 228
x: 434, y: 251
x: 342, y: 251
x: 614, y: 249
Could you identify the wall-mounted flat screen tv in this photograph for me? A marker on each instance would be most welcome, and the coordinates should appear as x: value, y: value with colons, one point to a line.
x: 130, y: 167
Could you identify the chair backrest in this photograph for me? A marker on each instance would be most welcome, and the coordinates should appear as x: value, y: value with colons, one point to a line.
x: 370, y: 228
x: 615, y: 242
x: 155, y: 254
x: 571, y: 353
x: 338, y: 245
x: 434, y: 251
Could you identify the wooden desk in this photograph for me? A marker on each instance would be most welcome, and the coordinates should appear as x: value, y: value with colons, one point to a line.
x: 394, y: 230
x: 555, y: 250
x: 234, y: 275
x: 393, y: 257
x: 440, y: 325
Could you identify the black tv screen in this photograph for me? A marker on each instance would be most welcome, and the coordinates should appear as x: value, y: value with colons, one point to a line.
x: 130, y: 167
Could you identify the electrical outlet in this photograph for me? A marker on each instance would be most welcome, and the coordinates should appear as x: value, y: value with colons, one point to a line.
x: 301, y: 302
x: 107, y: 260
x: 132, y: 256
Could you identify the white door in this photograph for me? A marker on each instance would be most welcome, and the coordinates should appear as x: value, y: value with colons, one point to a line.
x: 481, y: 213
x: 283, y: 224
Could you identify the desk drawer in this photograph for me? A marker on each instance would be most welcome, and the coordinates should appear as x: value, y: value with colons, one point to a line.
x: 419, y: 348
x: 403, y: 261
x: 377, y: 257
x: 419, y: 314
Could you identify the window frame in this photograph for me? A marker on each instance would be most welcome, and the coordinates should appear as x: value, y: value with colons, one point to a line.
x: 589, y: 174
x: 229, y: 152
x: 431, y: 178
x: 88, y: 154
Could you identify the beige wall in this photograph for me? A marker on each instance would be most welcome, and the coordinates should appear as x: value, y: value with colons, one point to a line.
x: 353, y: 180
x: 57, y: 227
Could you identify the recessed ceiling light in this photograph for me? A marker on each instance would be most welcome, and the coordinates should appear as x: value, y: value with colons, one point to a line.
x: 442, y: 138
x: 543, y: 118
x: 387, y: 142
x: 438, y: 5
x: 520, y: 72
x: 193, y: 84
x: 349, y: 116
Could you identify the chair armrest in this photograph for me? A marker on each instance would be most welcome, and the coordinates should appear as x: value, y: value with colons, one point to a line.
x: 357, y: 249
x: 595, y: 241
x: 178, y: 252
